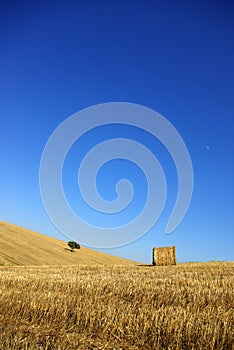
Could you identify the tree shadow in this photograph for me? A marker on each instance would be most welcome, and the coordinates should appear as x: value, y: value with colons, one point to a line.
x: 72, y: 251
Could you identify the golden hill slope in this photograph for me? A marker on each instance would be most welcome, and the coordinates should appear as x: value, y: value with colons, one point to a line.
x: 20, y: 246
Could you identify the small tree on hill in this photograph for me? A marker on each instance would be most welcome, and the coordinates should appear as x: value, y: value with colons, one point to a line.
x: 73, y: 245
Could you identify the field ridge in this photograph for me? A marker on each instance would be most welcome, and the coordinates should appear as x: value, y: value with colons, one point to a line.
x: 21, y: 246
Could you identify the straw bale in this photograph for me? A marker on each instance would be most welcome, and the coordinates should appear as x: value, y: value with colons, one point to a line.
x: 164, y: 256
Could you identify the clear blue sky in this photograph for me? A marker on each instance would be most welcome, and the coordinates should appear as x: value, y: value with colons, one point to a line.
x: 57, y: 57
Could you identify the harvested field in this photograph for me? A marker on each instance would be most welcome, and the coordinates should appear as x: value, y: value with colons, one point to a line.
x: 187, y: 306
x: 20, y: 246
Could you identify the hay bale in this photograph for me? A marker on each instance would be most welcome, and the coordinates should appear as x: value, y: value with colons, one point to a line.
x: 164, y: 256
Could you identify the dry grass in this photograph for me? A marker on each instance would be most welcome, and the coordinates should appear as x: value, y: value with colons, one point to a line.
x: 186, y: 306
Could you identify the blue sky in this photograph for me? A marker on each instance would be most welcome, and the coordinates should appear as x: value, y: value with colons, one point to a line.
x: 174, y: 57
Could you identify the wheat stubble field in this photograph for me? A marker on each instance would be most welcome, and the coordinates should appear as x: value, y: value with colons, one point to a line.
x: 188, y: 306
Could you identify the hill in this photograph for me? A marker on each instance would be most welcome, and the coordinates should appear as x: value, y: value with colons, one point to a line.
x: 20, y: 246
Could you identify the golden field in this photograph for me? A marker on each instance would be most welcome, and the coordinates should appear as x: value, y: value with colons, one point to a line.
x: 53, y: 299
x: 20, y: 246
x: 187, y: 306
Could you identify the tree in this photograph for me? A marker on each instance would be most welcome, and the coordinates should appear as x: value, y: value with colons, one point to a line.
x: 73, y: 245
